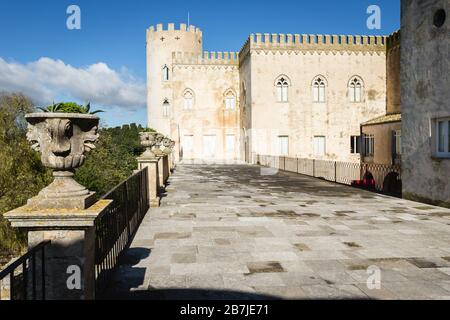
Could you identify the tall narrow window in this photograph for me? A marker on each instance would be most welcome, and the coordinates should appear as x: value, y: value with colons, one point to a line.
x: 369, y: 145
x: 282, y: 89
x: 166, y: 106
x: 398, y: 142
x: 319, y: 145
x: 355, y: 142
x: 188, y: 99
x: 355, y: 89
x: 230, y: 100
x: 443, y: 137
x: 283, y: 144
x: 319, y: 89
x: 230, y: 143
x: 188, y: 143
x: 166, y: 73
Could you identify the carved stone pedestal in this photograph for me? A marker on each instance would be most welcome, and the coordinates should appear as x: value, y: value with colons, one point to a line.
x: 153, y: 178
x: 70, y: 257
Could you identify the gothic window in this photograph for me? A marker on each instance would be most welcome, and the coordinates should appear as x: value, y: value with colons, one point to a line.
x: 319, y: 89
x: 230, y: 100
x: 166, y: 73
x: 166, y: 106
x: 188, y: 99
x: 282, y: 88
x: 356, y: 89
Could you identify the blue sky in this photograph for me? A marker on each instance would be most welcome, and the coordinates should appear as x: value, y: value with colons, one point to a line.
x: 105, y: 61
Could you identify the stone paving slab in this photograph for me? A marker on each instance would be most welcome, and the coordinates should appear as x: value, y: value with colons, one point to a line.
x: 226, y: 231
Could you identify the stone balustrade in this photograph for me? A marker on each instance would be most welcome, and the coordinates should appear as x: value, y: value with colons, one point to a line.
x: 158, y: 157
x: 68, y: 214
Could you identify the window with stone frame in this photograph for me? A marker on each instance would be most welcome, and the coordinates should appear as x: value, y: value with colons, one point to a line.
x: 188, y: 99
x: 356, y: 89
x: 166, y: 73
x: 355, y: 144
x: 319, y: 89
x: 230, y: 100
x: 166, y: 107
x: 282, y: 89
x: 369, y: 145
x: 442, y: 137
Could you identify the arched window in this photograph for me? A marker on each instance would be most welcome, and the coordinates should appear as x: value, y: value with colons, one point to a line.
x: 166, y: 106
x: 166, y: 73
x: 356, y: 89
x: 282, y: 88
x: 230, y: 100
x: 188, y: 99
x: 319, y: 89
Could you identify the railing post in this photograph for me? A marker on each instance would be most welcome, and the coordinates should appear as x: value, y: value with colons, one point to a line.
x: 68, y: 271
x: 153, y: 178
x: 335, y: 171
x: 314, y: 167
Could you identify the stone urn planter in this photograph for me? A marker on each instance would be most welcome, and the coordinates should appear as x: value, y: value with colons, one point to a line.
x: 63, y: 139
x: 157, y: 147
x: 168, y: 145
x: 148, y: 140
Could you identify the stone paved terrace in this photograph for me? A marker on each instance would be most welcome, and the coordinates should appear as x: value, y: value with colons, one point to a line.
x: 230, y: 232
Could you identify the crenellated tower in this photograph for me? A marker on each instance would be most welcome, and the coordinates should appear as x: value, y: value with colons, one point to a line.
x: 162, y: 42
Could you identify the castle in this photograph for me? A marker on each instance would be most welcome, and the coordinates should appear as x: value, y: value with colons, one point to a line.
x: 294, y: 95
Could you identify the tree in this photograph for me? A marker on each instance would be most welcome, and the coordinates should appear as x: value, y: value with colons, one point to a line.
x: 113, y: 160
x: 21, y: 172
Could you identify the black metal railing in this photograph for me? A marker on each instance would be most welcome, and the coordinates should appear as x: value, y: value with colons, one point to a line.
x: 376, y: 177
x: 26, y: 276
x: 117, y: 226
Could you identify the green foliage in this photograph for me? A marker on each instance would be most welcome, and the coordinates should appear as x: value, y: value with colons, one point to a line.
x: 146, y: 129
x: 21, y: 172
x: 69, y: 107
x: 113, y: 160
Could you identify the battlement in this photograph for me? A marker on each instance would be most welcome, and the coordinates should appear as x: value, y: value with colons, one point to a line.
x: 206, y: 58
x: 393, y: 40
x: 312, y: 42
x: 171, y: 27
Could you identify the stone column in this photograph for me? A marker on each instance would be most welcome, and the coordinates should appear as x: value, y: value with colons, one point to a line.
x: 166, y: 168
x: 161, y: 171
x: 70, y: 257
x: 153, y: 178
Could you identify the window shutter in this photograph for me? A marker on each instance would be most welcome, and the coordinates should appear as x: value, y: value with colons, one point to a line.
x: 358, y: 94
x: 351, y: 93
x: 285, y: 93
x: 279, y: 95
x: 322, y: 94
x: 363, y: 145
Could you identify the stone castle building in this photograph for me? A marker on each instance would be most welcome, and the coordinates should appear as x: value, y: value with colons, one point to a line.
x: 295, y: 95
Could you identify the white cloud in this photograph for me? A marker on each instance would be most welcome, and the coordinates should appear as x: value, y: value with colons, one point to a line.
x: 46, y: 79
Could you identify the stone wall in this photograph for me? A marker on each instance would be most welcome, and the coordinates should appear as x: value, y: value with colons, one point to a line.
x: 259, y: 119
x: 300, y: 118
x: 425, y: 75
x: 209, y: 84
